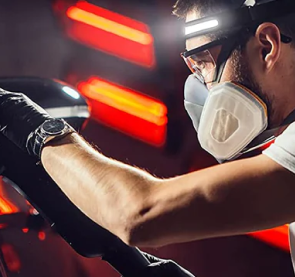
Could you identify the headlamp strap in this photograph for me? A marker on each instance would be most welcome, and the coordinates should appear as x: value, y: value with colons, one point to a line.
x: 225, y: 52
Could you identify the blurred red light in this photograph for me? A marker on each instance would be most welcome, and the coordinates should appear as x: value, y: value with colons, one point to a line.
x: 25, y: 230
x: 3, y: 225
x: 41, y: 235
x: 126, y: 110
x: 278, y: 237
x: 11, y: 258
x: 111, y: 32
x: 7, y: 207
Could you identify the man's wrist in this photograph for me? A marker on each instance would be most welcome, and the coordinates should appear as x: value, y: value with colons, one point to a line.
x: 59, y: 149
x: 66, y: 139
x: 49, y: 131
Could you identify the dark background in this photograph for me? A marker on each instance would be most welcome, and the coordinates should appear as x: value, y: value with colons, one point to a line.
x: 33, y: 43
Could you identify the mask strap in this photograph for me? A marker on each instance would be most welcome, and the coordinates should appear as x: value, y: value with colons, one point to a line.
x: 269, y: 134
x: 289, y: 119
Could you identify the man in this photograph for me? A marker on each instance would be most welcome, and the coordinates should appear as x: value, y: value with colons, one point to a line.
x: 228, y: 199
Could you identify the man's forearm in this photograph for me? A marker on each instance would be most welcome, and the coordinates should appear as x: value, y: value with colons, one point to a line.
x: 233, y: 198
x: 107, y: 191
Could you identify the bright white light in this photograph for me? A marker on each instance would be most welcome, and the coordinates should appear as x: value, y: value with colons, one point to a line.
x: 250, y: 3
x: 71, y: 92
x: 201, y: 26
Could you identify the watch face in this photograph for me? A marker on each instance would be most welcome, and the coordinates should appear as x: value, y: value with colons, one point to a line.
x: 54, y: 126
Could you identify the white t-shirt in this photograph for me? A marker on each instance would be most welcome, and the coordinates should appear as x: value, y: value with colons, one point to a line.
x: 283, y: 152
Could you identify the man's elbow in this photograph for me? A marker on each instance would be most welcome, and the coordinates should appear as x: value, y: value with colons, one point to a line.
x: 137, y: 219
x: 131, y: 238
x: 138, y: 228
x: 139, y: 234
x: 146, y: 229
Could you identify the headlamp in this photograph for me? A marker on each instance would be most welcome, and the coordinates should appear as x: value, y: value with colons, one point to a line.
x: 238, y: 18
x: 199, y: 27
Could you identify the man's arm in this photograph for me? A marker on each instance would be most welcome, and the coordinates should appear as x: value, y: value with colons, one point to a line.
x: 142, y: 210
x: 233, y: 198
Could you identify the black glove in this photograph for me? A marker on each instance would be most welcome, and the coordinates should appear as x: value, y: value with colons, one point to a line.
x: 164, y: 268
x: 19, y: 118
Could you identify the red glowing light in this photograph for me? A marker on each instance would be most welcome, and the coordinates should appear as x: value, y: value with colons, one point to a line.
x: 278, y: 237
x: 111, y: 32
x: 11, y: 258
x: 41, y: 235
x: 25, y: 230
x: 126, y: 110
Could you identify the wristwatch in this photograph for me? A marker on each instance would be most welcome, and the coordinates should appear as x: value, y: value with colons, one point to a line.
x: 51, y: 129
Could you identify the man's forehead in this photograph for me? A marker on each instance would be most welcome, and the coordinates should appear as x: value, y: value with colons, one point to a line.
x: 195, y: 42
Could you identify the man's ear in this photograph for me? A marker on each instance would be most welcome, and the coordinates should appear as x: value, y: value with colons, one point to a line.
x: 269, y: 39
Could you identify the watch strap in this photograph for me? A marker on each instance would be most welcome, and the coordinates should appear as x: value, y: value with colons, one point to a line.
x: 38, y: 139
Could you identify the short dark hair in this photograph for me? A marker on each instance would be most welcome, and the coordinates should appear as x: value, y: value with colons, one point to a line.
x: 181, y: 8
x: 204, y: 7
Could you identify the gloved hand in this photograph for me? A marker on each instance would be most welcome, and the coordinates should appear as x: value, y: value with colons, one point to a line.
x: 19, y: 118
x: 164, y: 268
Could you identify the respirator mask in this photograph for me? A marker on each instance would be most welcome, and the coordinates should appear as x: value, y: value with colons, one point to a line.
x: 229, y: 119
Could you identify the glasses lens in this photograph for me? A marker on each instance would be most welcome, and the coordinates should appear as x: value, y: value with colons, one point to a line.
x: 202, y: 65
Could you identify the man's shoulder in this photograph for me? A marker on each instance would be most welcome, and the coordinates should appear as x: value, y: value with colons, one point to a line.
x: 283, y: 149
x: 287, y: 135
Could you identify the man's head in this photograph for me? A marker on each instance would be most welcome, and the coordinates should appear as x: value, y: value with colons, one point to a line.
x: 260, y: 61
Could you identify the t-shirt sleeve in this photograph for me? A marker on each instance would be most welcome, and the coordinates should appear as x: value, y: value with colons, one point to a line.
x: 282, y: 150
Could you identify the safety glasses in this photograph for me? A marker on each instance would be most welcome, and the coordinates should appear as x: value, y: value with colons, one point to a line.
x: 203, y: 60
